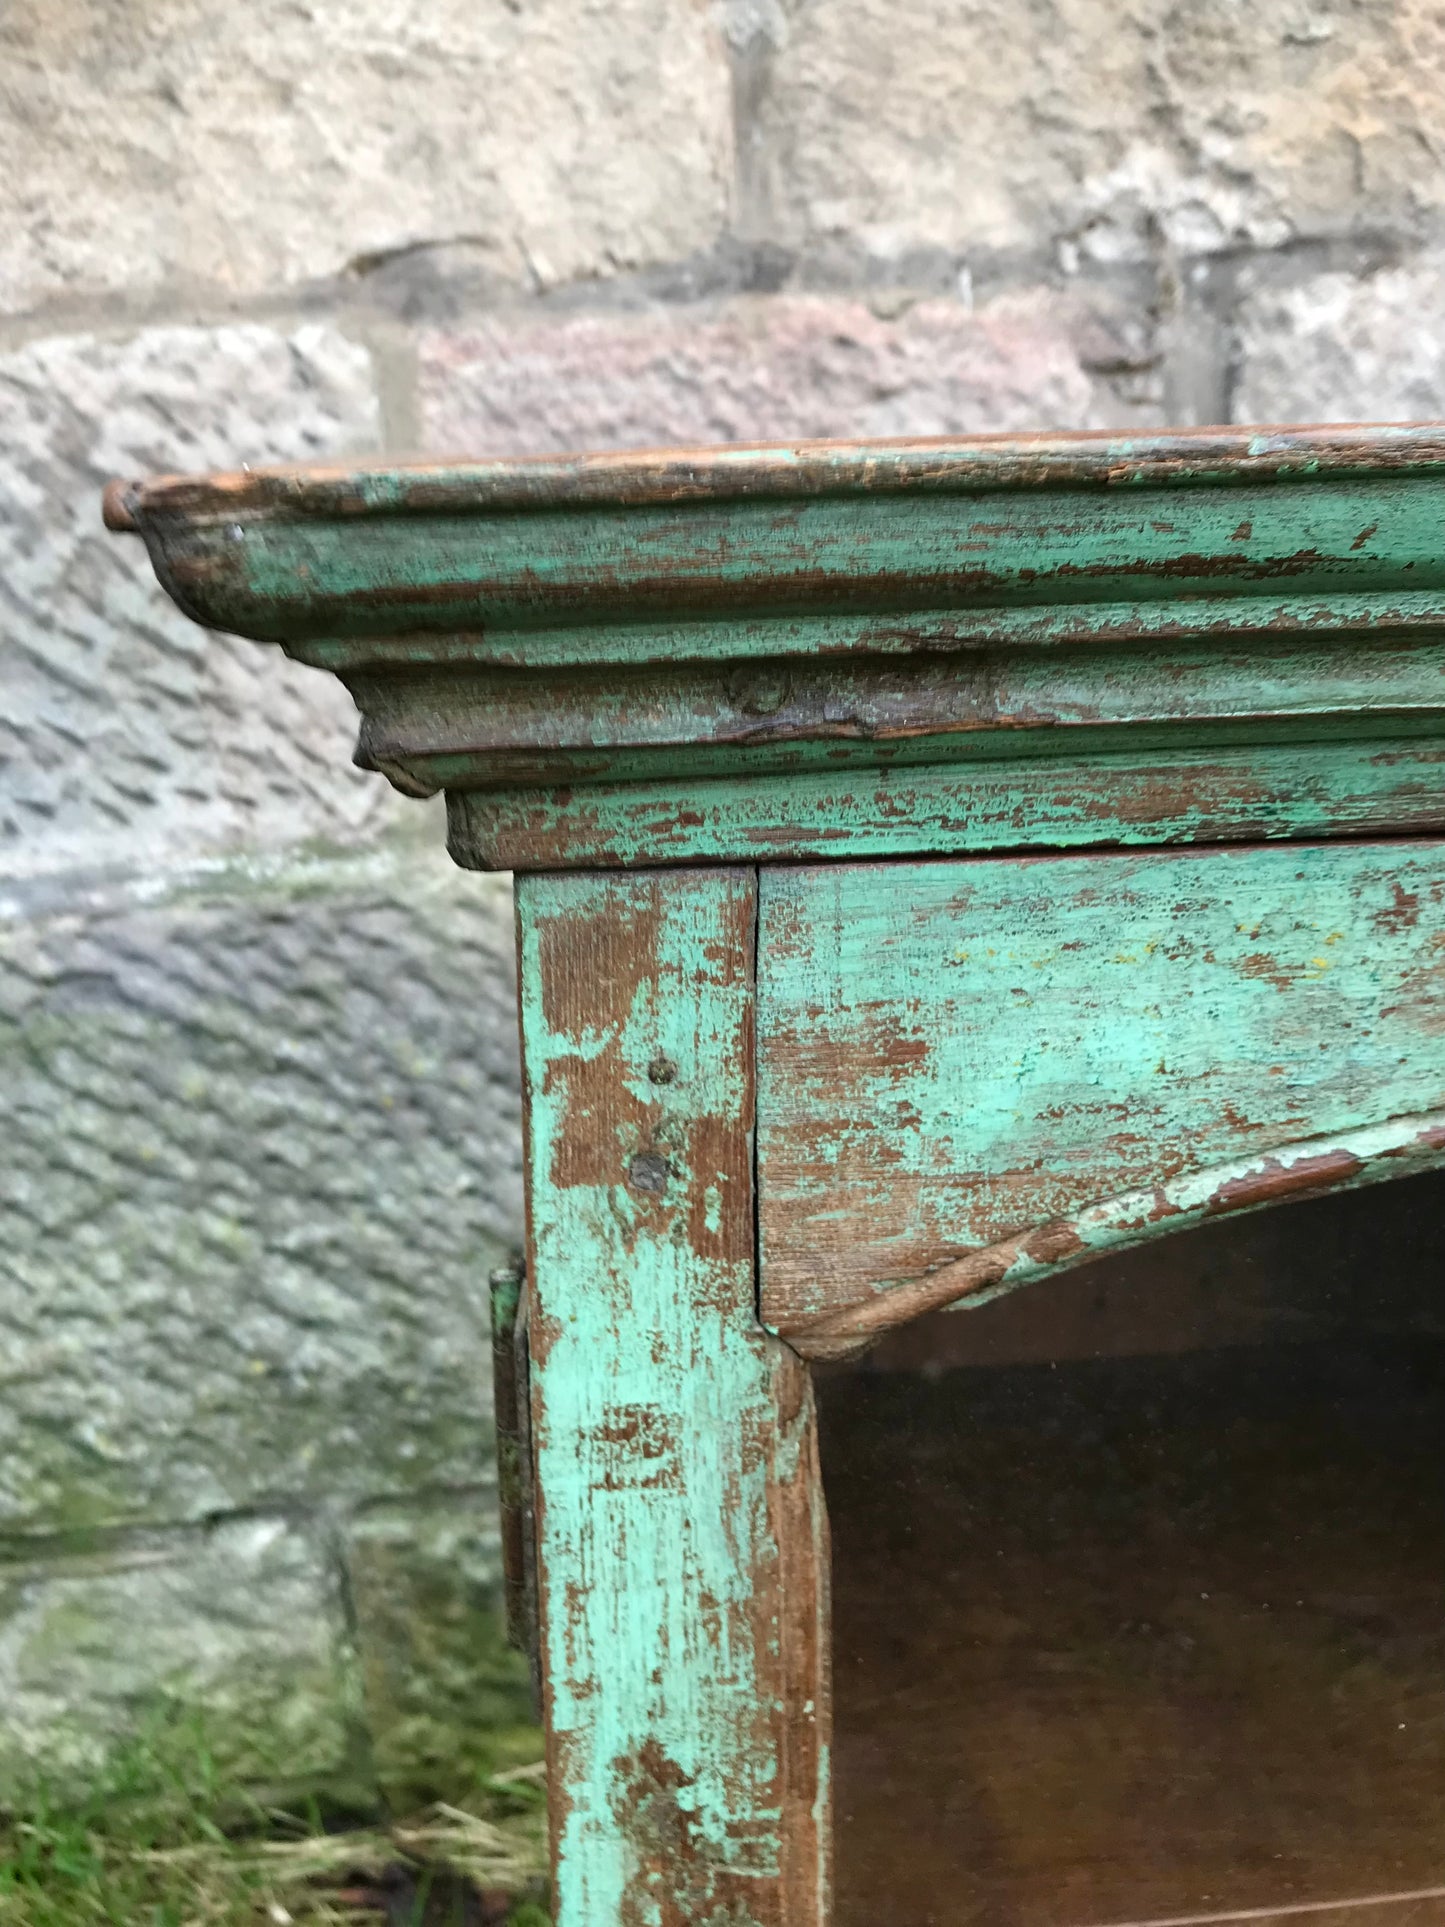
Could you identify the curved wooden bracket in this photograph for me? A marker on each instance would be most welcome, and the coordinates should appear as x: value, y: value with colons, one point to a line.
x: 1397, y: 1148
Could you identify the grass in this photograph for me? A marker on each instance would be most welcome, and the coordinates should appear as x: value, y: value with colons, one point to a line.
x: 161, y: 1840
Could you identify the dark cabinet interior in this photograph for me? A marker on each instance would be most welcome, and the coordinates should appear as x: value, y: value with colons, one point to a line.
x: 1139, y: 1587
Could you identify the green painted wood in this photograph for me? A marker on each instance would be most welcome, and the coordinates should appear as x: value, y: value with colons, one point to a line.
x: 955, y: 1055
x: 681, y: 1535
x: 281, y: 577
x: 757, y: 641
x: 1342, y: 1159
x: 1153, y: 795
x: 550, y: 630
x: 1036, y: 519
x: 499, y: 729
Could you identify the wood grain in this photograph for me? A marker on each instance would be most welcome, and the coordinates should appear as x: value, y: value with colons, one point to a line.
x: 1334, y: 1161
x: 956, y: 1056
x: 681, y: 1532
x: 1097, y: 458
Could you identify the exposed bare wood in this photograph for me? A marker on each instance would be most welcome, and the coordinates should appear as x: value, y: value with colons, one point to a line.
x: 1101, y: 459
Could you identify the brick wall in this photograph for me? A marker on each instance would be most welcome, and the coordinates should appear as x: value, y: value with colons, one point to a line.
x: 258, y: 1093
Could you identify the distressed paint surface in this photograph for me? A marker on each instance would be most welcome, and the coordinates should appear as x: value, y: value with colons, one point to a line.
x: 1089, y: 556
x: 1338, y: 1161
x: 1068, y: 519
x: 1159, y: 795
x: 1195, y: 611
x: 681, y: 1535
x: 499, y: 729
x: 955, y: 1056
x: 1178, y: 459
x: 564, y: 645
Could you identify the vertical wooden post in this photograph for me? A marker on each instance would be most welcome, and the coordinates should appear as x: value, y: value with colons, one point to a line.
x: 682, y: 1541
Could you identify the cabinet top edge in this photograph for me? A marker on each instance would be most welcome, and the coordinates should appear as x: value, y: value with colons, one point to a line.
x: 1195, y: 457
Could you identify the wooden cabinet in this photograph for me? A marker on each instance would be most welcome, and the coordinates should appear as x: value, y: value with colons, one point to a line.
x: 938, y: 864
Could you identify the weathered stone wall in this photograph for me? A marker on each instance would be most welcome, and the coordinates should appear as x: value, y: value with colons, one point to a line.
x: 256, y: 1037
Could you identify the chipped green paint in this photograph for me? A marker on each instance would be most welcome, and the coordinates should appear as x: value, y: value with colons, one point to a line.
x: 503, y: 728
x: 1198, y: 611
x: 1191, y: 458
x: 532, y: 635
x: 502, y: 574
x: 1147, y: 796
x: 673, y: 1439
x: 954, y: 1056
x: 1337, y: 1161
